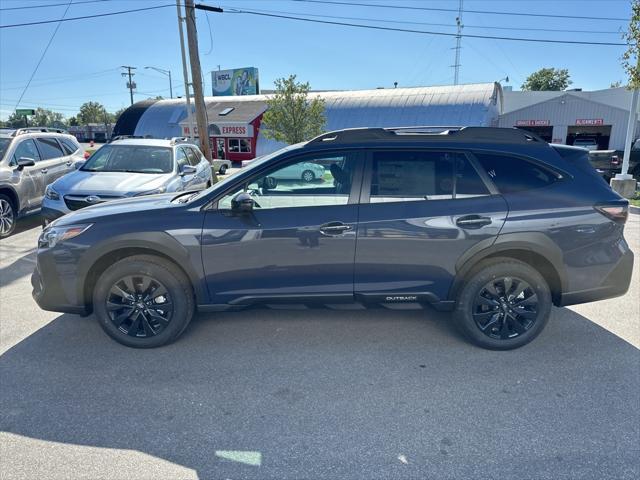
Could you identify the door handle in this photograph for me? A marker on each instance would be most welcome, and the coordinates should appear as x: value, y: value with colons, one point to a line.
x: 69, y: 163
x: 334, y: 228
x: 473, y: 221
x: 44, y: 170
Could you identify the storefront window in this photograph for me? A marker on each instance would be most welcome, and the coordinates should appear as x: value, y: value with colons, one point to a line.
x: 239, y: 145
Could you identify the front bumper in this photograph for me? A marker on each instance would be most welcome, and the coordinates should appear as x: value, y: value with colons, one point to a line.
x: 614, y: 285
x: 48, y: 289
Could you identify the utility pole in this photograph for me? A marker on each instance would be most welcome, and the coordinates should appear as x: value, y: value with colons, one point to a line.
x: 196, y: 79
x: 185, y: 72
x: 456, y: 63
x: 130, y: 84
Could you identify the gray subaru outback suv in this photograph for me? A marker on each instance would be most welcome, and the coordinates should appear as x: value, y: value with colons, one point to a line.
x: 30, y: 159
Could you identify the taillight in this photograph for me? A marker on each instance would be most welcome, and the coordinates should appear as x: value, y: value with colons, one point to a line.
x: 618, y: 213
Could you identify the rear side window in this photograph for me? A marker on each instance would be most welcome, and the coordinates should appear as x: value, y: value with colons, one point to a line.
x: 514, y: 174
x: 68, y: 146
x: 49, y: 148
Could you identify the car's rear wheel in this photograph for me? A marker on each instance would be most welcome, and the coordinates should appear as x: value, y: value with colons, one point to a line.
x: 143, y: 301
x: 223, y: 170
x: 7, y: 216
x: 505, y: 304
x: 308, y: 176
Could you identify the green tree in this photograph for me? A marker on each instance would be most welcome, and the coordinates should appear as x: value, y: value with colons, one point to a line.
x: 630, y: 58
x: 615, y: 84
x: 91, y: 112
x: 293, y: 117
x: 548, y: 79
x: 48, y: 118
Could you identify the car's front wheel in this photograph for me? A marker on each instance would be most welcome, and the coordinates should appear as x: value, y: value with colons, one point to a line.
x: 143, y: 301
x: 223, y: 169
x: 505, y: 304
x: 7, y: 216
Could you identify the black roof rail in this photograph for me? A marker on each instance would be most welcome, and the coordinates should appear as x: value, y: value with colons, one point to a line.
x: 435, y: 133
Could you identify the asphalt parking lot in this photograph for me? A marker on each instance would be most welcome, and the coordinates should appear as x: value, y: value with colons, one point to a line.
x: 295, y: 394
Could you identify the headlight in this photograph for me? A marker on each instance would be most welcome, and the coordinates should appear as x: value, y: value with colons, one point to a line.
x: 51, y: 194
x: 53, y: 235
x: 151, y: 192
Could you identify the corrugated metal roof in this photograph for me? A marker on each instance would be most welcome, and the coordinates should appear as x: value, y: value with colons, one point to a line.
x: 615, y: 97
x: 463, y: 105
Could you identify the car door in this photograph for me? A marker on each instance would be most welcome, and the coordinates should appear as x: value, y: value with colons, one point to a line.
x: 421, y: 211
x: 55, y: 162
x: 73, y: 153
x: 298, y: 243
x: 32, y: 181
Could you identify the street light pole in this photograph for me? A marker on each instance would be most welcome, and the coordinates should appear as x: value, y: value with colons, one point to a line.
x: 164, y: 72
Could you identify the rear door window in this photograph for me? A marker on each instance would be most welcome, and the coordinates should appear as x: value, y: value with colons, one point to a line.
x: 49, y: 148
x: 194, y: 158
x: 514, y: 174
x: 68, y: 146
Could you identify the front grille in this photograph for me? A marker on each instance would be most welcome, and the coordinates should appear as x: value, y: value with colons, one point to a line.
x: 76, y: 202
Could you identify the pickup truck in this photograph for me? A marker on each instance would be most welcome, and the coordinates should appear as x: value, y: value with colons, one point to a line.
x: 609, y: 162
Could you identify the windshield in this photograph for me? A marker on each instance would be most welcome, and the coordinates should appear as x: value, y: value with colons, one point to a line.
x: 4, y: 144
x: 130, y: 158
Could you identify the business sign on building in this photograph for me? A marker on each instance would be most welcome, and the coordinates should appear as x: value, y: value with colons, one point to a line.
x: 228, y: 129
x: 533, y: 123
x: 589, y: 121
x: 239, y: 81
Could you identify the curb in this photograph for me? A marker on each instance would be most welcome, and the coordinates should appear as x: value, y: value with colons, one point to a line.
x: 633, y: 209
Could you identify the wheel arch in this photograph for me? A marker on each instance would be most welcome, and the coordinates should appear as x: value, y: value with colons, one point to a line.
x: 543, y: 257
x: 99, y: 262
x: 13, y: 196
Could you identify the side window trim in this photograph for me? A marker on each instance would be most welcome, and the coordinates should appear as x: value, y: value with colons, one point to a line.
x: 354, y: 194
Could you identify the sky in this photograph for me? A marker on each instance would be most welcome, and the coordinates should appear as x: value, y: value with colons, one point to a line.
x: 84, y: 58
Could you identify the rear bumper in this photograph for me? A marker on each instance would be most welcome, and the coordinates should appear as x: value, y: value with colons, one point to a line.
x: 614, y: 285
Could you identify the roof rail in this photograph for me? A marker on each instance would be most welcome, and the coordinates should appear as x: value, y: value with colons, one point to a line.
x: 435, y: 133
x: 176, y: 140
x: 23, y: 130
x: 122, y: 137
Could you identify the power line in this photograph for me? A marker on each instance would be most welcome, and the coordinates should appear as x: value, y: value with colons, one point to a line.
x: 44, y: 52
x: 26, y: 7
x: 449, y: 25
x: 86, y: 16
x: 425, y: 32
x: 483, y: 12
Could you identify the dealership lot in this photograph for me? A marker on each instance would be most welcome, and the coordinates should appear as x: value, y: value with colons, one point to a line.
x: 316, y: 393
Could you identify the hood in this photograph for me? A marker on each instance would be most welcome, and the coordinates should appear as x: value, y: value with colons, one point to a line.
x: 109, y: 183
x: 145, y: 204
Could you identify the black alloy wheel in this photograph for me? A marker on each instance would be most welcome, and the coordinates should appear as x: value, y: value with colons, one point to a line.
x: 505, y: 308
x: 139, y: 306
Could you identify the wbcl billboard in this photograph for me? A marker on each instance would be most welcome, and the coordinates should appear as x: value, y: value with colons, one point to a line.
x: 239, y: 81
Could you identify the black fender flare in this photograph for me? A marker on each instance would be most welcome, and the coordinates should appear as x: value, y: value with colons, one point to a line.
x: 158, y: 242
x: 537, y: 243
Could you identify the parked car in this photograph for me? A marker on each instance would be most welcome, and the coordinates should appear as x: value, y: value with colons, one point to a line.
x: 305, y: 171
x: 588, y: 143
x: 128, y: 168
x: 30, y: 159
x: 220, y: 165
x: 609, y: 162
x: 493, y: 224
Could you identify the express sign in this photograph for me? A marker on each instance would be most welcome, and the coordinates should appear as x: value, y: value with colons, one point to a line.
x: 231, y: 129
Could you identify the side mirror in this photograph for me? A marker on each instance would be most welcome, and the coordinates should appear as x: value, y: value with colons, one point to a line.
x: 242, y: 203
x: 188, y: 170
x: 25, y: 162
x: 269, y: 183
x: 78, y: 165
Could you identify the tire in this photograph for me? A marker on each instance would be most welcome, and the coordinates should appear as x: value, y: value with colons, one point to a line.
x: 308, y: 176
x: 223, y: 169
x: 7, y: 216
x: 526, y: 314
x: 139, y: 324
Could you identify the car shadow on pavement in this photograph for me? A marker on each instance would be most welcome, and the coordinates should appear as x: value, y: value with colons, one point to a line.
x: 335, y: 394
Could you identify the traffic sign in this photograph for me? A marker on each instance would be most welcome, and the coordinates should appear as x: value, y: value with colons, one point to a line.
x: 25, y: 111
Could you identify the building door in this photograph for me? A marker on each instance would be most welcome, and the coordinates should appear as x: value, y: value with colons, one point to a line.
x: 220, y: 149
x: 600, y: 134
